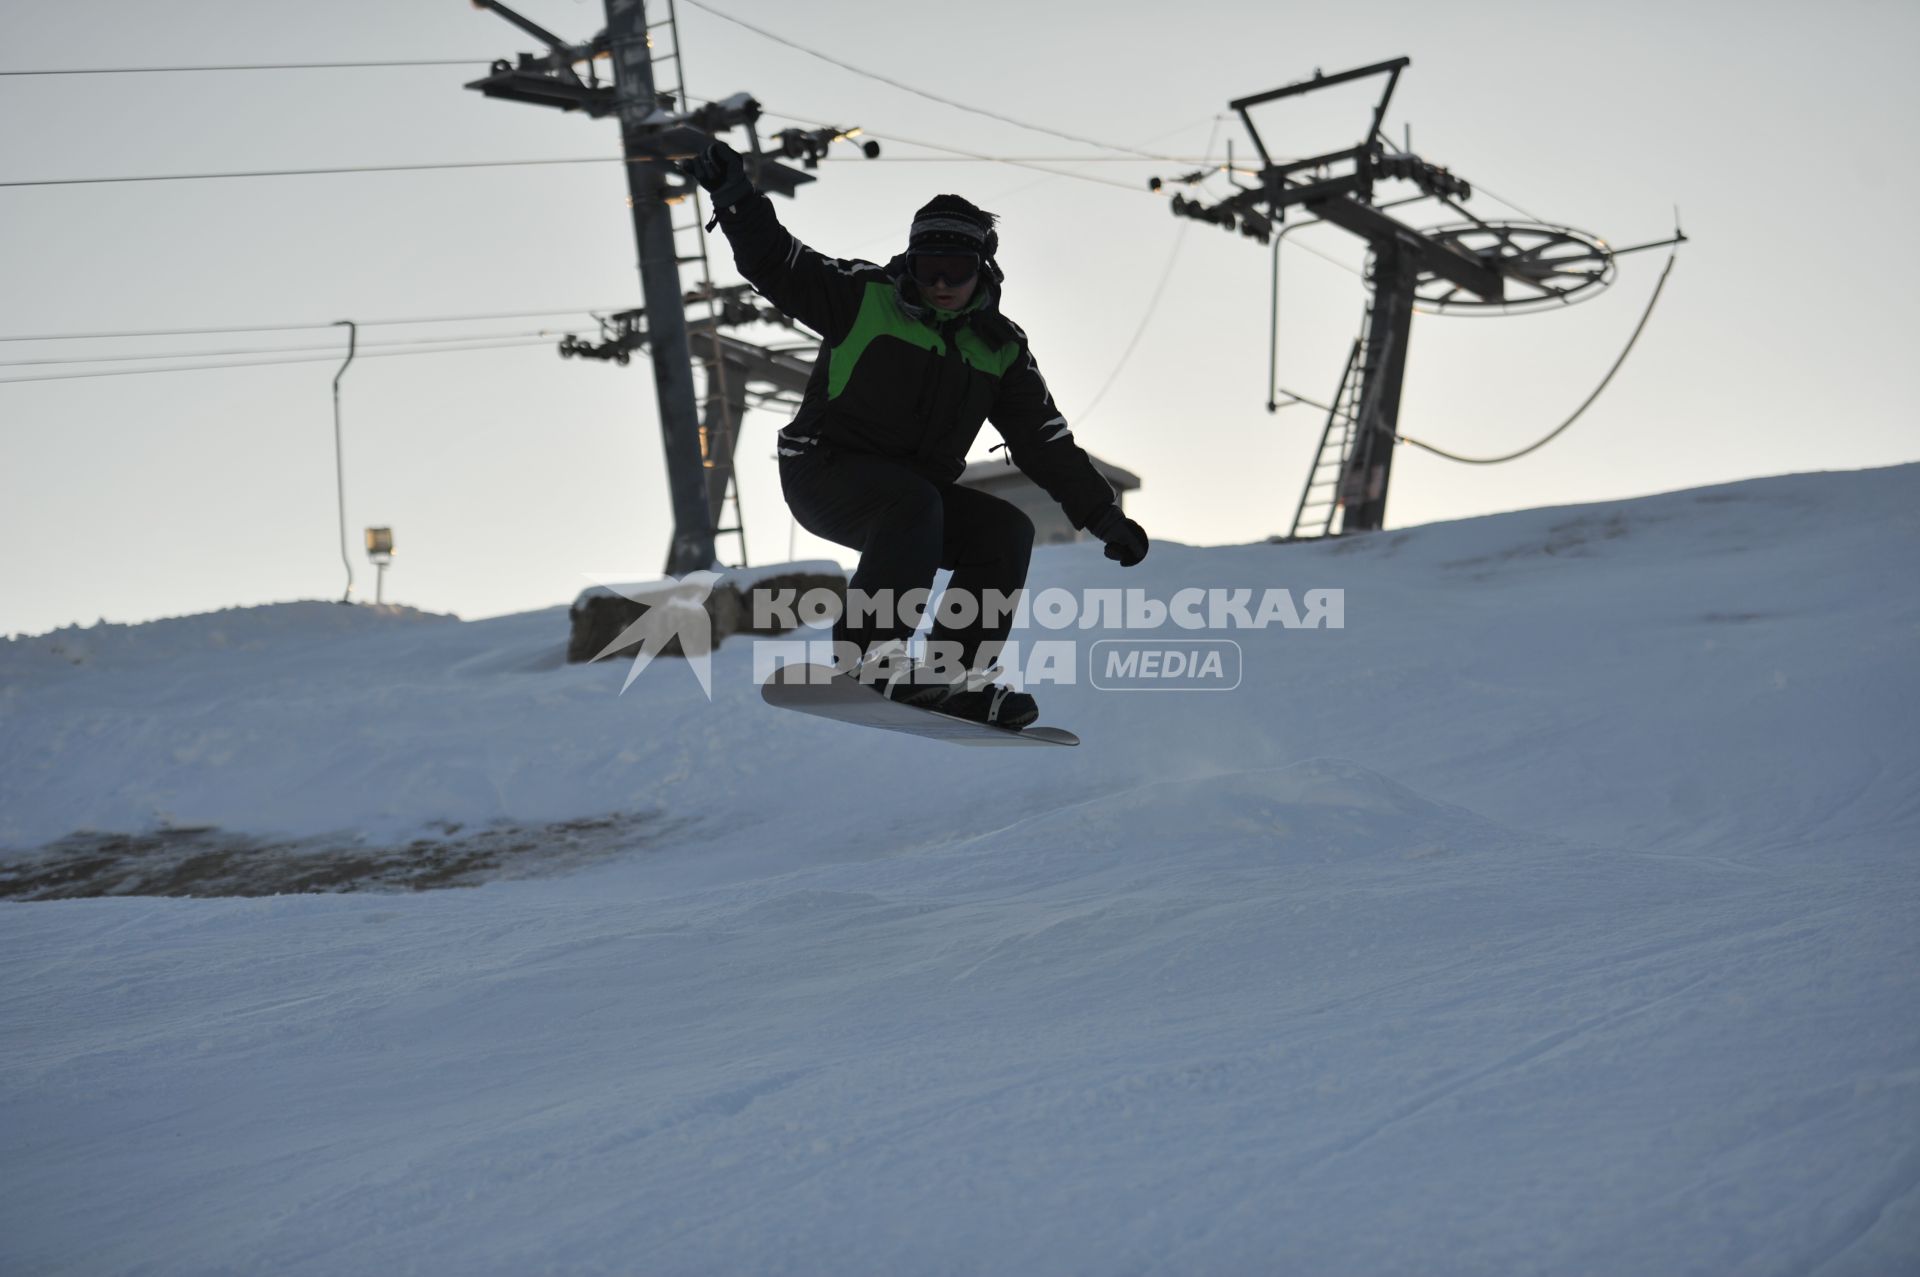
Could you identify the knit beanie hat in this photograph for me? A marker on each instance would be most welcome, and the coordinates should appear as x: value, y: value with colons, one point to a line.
x: 950, y: 224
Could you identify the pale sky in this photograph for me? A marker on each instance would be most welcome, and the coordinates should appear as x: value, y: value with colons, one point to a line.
x: 512, y: 478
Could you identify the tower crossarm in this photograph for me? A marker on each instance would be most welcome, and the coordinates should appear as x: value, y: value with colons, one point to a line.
x: 1444, y: 260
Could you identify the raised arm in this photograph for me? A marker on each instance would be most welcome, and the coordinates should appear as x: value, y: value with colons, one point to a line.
x: 815, y: 290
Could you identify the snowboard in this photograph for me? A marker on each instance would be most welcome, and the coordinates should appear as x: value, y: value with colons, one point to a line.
x: 817, y: 690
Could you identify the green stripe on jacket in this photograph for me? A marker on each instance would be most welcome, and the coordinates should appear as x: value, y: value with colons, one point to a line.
x: 881, y: 316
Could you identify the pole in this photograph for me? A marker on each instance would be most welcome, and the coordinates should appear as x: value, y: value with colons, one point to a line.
x: 693, y: 525
x: 1364, y: 485
x: 1273, y: 334
x: 1273, y: 327
x: 339, y: 453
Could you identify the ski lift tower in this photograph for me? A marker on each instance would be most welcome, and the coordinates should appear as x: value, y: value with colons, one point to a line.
x: 648, y: 97
x: 1472, y: 264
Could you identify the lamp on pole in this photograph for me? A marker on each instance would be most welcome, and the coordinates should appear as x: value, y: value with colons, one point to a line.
x: 380, y: 553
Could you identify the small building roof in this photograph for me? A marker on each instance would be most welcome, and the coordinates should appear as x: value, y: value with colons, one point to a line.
x: 995, y: 471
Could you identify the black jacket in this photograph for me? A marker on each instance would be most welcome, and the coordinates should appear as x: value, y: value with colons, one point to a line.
x: 898, y: 379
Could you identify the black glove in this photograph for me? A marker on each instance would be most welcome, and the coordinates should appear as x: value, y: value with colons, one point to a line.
x: 720, y: 169
x: 1126, y: 540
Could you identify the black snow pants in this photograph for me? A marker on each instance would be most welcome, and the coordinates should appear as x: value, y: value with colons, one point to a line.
x: 906, y: 527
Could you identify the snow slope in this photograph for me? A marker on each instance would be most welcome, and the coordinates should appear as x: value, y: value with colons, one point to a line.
x: 1557, y: 915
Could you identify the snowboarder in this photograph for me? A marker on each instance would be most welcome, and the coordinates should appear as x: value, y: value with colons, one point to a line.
x: 915, y: 356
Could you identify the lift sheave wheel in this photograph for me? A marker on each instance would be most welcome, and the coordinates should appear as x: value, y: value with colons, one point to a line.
x: 1543, y: 267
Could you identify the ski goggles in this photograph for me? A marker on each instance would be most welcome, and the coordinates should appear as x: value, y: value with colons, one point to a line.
x: 955, y: 269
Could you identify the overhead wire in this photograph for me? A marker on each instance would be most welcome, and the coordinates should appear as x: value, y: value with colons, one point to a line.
x: 325, y: 323
x: 310, y: 172
x: 1501, y: 199
x: 251, y: 66
x: 1085, y: 177
x: 277, y: 350
x: 1153, y: 301
x: 955, y: 155
x: 1037, y: 166
x: 1042, y: 180
x: 265, y: 363
x: 915, y: 89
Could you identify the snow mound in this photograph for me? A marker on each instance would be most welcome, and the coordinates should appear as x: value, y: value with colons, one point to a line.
x: 109, y: 645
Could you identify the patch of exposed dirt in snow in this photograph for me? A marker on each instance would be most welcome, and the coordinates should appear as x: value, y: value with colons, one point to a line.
x: 218, y: 862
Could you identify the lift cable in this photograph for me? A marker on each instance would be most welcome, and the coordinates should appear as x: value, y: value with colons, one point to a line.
x: 1561, y: 428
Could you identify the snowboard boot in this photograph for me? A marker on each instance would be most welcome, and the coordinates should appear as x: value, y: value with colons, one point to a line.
x: 978, y: 698
x: 891, y: 671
